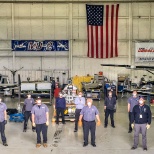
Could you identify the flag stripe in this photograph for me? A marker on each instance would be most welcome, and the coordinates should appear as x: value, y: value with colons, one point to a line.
x: 112, y: 14
x: 107, y: 12
x: 97, y: 44
x: 92, y: 43
x: 88, y: 42
x: 101, y: 28
x: 116, y: 33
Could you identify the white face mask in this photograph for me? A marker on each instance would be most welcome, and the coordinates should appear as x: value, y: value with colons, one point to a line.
x: 89, y: 103
x: 39, y: 102
x: 134, y: 94
x: 140, y: 102
x: 29, y: 96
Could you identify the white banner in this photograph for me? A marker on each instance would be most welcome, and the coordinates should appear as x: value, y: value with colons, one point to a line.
x: 144, y: 52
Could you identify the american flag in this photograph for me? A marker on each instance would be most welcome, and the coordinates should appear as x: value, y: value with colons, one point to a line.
x: 102, y: 26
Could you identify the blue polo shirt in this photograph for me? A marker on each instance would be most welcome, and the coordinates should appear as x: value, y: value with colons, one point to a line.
x: 79, y: 102
x: 40, y: 113
x: 29, y: 103
x: 3, y: 108
x: 133, y: 101
x: 89, y: 113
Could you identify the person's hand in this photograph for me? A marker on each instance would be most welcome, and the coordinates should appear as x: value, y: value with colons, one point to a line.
x: 33, y: 124
x: 98, y: 123
x: 47, y: 123
x: 5, y: 122
x: 80, y: 123
x: 132, y: 125
x: 147, y: 126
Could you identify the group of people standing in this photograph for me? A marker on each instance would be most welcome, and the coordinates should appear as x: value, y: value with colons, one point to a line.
x: 85, y: 115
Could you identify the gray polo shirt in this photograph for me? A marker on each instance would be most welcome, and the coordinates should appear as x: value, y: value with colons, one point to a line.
x: 3, y: 108
x: 89, y: 113
x: 40, y: 113
x: 133, y: 101
x: 29, y: 103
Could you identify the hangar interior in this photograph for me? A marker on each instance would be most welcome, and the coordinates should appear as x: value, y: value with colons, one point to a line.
x: 66, y: 20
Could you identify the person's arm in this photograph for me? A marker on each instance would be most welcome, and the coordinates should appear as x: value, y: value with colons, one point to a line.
x: 5, y: 115
x: 33, y: 101
x: 33, y: 117
x: 65, y: 103
x: 80, y: 118
x: 47, y: 117
x: 128, y: 107
x: 149, y: 116
x: 105, y: 103
x: 76, y: 102
x: 132, y: 115
x: 98, y: 118
x: 83, y: 101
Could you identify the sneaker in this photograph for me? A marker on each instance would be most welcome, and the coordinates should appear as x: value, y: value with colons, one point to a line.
x: 133, y: 148
x: 105, y: 126
x: 129, y: 131
x: 33, y: 130
x: 38, y: 145
x: 113, y: 126
x: 5, y: 144
x: 94, y: 145
x: 75, y: 130
x: 85, y: 144
x: 24, y: 130
x: 145, y: 149
x: 45, y: 145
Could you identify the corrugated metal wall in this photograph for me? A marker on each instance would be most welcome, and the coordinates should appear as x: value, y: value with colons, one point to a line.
x: 54, y: 21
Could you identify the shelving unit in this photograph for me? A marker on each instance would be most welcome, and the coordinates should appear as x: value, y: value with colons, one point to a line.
x: 95, y: 94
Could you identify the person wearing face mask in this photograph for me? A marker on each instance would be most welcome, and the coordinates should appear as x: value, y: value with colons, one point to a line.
x: 141, y: 116
x: 80, y: 103
x: 132, y: 101
x: 40, y: 120
x: 60, y: 107
x: 3, y: 121
x: 89, y: 113
x: 109, y: 108
x: 28, y: 104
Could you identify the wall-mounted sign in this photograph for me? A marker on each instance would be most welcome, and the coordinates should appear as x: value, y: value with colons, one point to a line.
x: 144, y: 52
x: 35, y: 45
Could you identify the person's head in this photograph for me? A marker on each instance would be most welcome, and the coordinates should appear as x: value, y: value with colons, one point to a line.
x: 38, y: 101
x: 134, y: 93
x: 110, y: 93
x: 89, y: 102
x: 141, y: 101
x: 60, y: 95
x: 28, y: 95
x: 80, y: 94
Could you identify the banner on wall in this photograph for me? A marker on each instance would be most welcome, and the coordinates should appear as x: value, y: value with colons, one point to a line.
x: 35, y: 45
x: 144, y: 52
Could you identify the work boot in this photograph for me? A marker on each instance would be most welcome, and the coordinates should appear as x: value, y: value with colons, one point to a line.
x: 5, y: 144
x: 38, y: 145
x: 45, y: 145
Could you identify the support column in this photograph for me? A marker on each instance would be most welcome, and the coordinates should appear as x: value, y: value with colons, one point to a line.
x: 70, y: 32
x: 130, y: 38
x: 12, y: 14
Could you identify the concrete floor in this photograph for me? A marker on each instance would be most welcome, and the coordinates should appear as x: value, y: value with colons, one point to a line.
x: 108, y: 140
